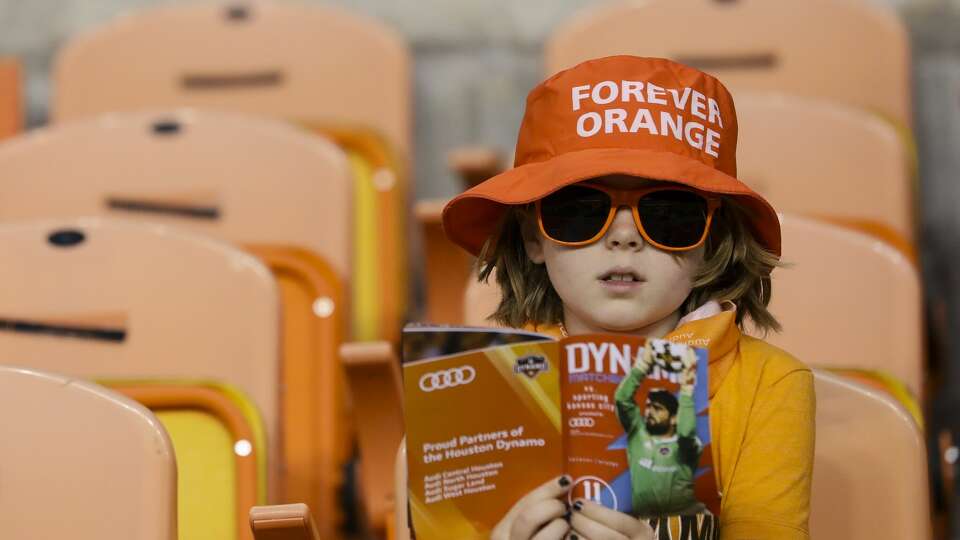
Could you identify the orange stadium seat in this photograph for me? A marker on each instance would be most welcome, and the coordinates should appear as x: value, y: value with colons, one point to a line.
x: 860, y: 56
x: 447, y: 267
x: 859, y: 175
x: 318, y: 66
x: 59, y: 478
x: 861, y: 491
x: 186, y: 324
x: 866, y: 289
x: 870, y: 466
x: 373, y: 371
x: 11, y: 98
x: 287, y: 202
x: 867, y: 312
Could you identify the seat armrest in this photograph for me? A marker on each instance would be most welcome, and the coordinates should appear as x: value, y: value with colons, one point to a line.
x: 283, y: 522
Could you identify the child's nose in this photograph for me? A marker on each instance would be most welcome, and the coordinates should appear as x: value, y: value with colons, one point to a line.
x: 623, y: 233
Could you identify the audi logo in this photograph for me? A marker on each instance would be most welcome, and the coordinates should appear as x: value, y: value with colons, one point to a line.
x: 582, y: 422
x: 448, y: 378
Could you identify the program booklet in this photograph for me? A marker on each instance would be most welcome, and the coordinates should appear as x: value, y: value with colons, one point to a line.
x: 493, y: 413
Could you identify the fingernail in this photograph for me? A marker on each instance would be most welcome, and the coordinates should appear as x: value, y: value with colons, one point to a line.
x: 578, y: 506
x: 564, y: 481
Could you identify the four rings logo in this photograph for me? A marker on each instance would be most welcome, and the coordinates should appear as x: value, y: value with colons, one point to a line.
x: 448, y: 378
x: 581, y: 421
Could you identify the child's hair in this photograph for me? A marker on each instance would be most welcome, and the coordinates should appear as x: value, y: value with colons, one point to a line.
x: 735, y: 268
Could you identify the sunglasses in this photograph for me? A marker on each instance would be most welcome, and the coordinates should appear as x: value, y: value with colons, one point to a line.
x: 671, y: 218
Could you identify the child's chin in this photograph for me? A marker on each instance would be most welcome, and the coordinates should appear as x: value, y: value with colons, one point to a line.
x: 622, y: 320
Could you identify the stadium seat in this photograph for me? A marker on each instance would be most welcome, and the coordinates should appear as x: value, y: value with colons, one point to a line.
x: 866, y: 313
x: 869, y: 473
x: 219, y: 442
x: 281, y: 193
x: 61, y: 479
x: 859, y: 175
x: 317, y: 66
x: 860, y: 57
x: 373, y: 372
x: 185, y: 323
x: 11, y: 99
x: 447, y: 267
x: 848, y: 300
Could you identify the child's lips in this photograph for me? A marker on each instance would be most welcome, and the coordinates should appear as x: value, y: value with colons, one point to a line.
x: 621, y: 279
x: 621, y: 286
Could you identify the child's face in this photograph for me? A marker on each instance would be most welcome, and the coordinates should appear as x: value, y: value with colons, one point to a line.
x: 592, y: 301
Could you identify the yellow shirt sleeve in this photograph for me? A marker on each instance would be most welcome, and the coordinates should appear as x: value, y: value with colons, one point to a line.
x: 769, y: 496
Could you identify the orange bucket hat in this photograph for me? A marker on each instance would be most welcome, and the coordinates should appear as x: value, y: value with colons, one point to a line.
x: 645, y: 117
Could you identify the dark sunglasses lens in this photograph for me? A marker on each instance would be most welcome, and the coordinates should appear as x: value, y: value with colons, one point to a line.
x: 675, y: 219
x: 574, y: 213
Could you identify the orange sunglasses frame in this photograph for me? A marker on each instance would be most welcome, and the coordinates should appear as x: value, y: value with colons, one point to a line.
x: 629, y: 198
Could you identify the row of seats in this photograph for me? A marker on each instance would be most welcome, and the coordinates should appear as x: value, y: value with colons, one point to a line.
x: 322, y: 204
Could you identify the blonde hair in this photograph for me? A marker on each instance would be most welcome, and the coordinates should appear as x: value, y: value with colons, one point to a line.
x: 735, y: 268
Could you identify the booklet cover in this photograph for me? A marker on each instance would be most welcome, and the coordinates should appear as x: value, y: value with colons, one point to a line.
x: 493, y: 413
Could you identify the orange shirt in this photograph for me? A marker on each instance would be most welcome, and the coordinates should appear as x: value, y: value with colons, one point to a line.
x: 762, y: 409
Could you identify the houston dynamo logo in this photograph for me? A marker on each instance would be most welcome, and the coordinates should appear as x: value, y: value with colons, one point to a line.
x: 531, y: 366
x: 448, y: 378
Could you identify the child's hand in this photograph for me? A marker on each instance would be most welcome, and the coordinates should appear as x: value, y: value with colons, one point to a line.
x: 595, y: 522
x: 537, y: 516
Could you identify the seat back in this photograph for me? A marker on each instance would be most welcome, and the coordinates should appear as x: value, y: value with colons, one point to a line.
x: 126, y: 301
x: 860, y: 55
x: 242, y: 178
x: 218, y: 439
x: 860, y: 173
x: 197, y: 170
x: 60, y: 477
x: 447, y: 267
x: 307, y: 63
x: 870, y: 467
x: 11, y: 98
x: 859, y: 290
x: 323, y: 68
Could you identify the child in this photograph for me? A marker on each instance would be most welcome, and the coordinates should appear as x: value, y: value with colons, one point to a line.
x: 624, y: 214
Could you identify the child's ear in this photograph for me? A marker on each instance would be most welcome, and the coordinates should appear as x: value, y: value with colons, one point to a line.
x: 532, y: 240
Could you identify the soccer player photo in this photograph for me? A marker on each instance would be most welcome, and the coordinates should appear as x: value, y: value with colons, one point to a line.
x: 663, y: 449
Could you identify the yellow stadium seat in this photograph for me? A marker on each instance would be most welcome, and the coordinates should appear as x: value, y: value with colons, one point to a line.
x: 321, y: 67
x: 79, y: 461
x: 219, y: 443
x: 287, y: 202
x: 870, y: 470
x: 139, y: 306
x: 860, y: 174
x: 11, y: 98
x: 860, y: 56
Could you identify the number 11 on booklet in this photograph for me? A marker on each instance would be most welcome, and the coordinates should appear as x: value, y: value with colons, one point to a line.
x: 493, y: 413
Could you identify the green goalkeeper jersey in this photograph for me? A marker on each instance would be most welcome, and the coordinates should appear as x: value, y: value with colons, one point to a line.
x: 661, y: 468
